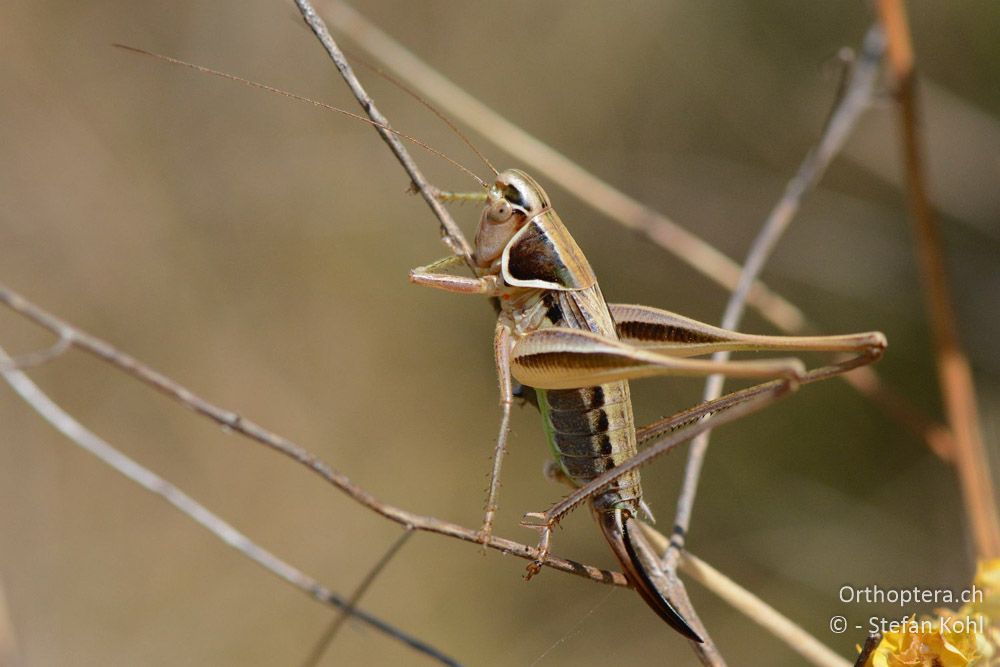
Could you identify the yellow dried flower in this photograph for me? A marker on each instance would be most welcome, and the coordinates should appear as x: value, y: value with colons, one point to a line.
x: 987, y: 580
x: 969, y: 637
x: 925, y: 643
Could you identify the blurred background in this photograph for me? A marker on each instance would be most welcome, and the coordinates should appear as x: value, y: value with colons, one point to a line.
x: 256, y: 250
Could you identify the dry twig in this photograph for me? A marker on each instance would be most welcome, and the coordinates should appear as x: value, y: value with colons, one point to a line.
x: 751, y: 606
x: 855, y: 100
x: 323, y: 644
x: 146, y: 478
x: 245, y: 427
x: 452, y: 235
x: 967, y: 452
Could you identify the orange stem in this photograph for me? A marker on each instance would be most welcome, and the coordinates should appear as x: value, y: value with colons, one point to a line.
x: 968, y: 454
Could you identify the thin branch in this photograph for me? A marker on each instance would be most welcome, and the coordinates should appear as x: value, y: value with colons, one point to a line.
x: 791, y: 634
x: 324, y: 642
x: 282, y: 445
x: 968, y: 454
x: 855, y: 100
x: 146, y: 478
x: 452, y: 235
x: 751, y: 606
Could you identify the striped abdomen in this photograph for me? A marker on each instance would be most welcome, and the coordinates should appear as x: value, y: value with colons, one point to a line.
x: 590, y: 431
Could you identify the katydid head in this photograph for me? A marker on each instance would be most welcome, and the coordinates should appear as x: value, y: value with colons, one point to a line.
x: 514, y: 199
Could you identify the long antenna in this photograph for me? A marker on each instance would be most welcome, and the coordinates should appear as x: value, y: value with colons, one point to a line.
x: 300, y: 98
x: 415, y: 95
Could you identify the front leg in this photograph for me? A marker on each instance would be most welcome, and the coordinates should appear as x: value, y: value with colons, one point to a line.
x: 434, y: 275
x: 501, y: 354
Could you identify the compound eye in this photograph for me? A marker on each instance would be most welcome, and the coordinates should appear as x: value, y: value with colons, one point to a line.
x: 500, y: 211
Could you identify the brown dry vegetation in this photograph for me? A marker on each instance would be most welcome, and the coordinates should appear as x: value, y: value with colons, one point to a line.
x: 256, y: 250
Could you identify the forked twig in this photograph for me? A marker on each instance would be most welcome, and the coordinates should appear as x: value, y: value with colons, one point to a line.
x: 245, y: 427
x: 968, y: 454
x: 218, y: 527
x: 856, y: 98
x: 146, y: 478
